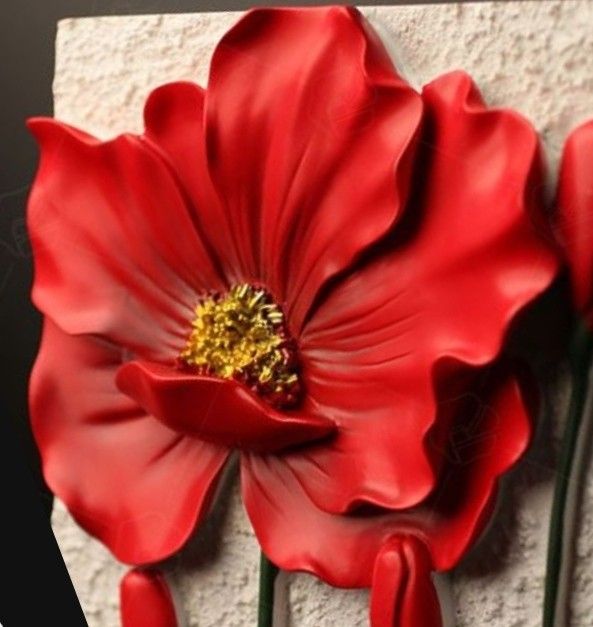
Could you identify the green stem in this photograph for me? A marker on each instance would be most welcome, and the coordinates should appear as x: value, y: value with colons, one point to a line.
x: 580, y: 359
x: 267, y: 578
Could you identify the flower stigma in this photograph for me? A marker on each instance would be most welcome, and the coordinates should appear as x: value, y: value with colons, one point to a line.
x: 242, y: 335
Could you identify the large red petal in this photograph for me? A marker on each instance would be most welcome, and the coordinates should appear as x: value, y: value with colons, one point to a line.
x: 174, y: 121
x: 341, y: 549
x: 116, y: 251
x: 441, y: 296
x: 128, y: 479
x: 309, y: 134
x: 575, y: 209
x: 221, y: 411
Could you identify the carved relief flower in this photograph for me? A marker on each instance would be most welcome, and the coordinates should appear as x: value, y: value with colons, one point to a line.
x: 574, y: 207
x: 294, y: 264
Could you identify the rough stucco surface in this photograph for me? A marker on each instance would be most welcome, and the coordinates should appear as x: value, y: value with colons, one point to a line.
x: 536, y: 57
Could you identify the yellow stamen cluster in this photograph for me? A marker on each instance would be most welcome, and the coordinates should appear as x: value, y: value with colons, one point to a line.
x: 242, y: 335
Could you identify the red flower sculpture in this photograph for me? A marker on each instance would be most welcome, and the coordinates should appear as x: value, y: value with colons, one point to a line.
x: 253, y: 274
x: 575, y: 232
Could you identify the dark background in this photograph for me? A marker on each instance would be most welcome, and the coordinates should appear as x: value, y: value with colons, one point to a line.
x: 33, y: 567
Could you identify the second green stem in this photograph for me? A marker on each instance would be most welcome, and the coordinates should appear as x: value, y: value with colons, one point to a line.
x: 267, y: 580
x: 580, y: 360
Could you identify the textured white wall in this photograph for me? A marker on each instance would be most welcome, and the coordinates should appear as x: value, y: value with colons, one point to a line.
x: 536, y: 57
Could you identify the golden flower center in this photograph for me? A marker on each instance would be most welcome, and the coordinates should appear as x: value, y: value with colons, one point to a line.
x: 242, y: 335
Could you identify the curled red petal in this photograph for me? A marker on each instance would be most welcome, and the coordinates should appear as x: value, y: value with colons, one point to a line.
x: 145, y: 600
x: 492, y: 429
x: 575, y: 213
x: 403, y: 594
x: 438, y: 297
x: 116, y: 251
x: 312, y: 155
x: 127, y: 479
x: 221, y: 411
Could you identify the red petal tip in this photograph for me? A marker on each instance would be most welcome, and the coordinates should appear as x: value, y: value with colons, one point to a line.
x: 403, y: 594
x: 146, y: 601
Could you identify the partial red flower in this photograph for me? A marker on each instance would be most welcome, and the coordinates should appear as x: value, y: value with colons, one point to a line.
x: 575, y: 213
x: 251, y: 273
